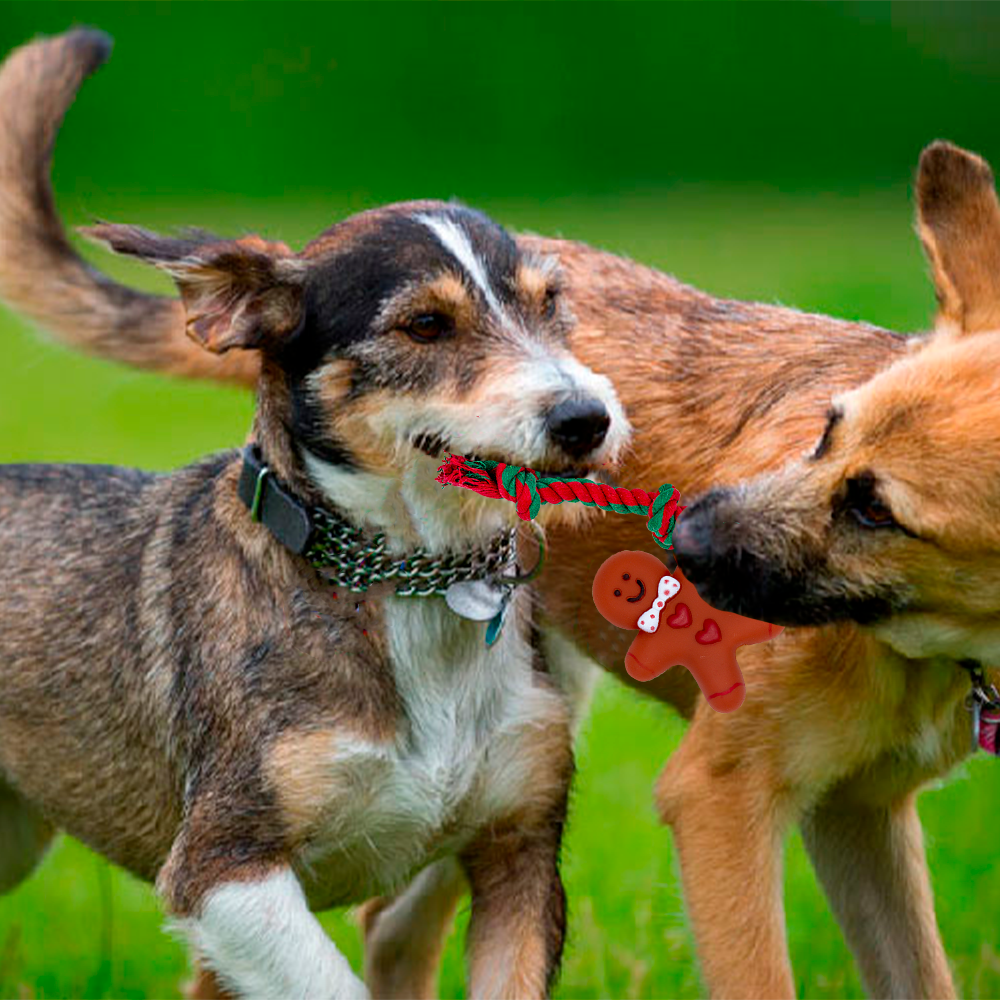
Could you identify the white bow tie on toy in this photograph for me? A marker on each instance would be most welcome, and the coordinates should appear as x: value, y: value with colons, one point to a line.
x: 665, y: 589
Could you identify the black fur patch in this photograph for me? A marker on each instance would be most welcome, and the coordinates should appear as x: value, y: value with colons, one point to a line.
x: 348, y: 291
x: 309, y: 429
x: 833, y: 417
x: 754, y: 588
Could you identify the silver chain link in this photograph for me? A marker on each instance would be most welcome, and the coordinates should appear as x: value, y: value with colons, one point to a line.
x: 347, y: 559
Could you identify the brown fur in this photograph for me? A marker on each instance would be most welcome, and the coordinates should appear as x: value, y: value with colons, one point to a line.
x: 405, y: 936
x: 519, y: 913
x: 719, y: 392
x: 37, y: 84
x: 205, y: 985
x: 959, y: 226
x: 298, y: 768
x: 839, y: 729
x: 210, y: 713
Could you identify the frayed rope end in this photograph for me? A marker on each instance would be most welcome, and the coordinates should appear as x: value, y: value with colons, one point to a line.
x: 470, y: 475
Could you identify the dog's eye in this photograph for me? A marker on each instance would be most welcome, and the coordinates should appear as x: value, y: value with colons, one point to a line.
x: 429, y: 326
x: 860, y: 502
x: 864, y: 506
x: 550, y: 303
x: 874, y: 514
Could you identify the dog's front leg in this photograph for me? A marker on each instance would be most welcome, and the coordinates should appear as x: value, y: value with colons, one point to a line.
x: 870, y: 860
x: 728, y: 824
x: 252, y: 927
x: 518, y: 921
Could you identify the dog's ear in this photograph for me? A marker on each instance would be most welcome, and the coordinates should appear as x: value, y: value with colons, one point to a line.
x: 958, y: 219
x: 244, y: 293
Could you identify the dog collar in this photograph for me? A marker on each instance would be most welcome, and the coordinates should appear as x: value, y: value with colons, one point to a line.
x: 342, y: 553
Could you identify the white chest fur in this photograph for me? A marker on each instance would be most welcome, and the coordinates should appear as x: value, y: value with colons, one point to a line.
x: 462, y: 754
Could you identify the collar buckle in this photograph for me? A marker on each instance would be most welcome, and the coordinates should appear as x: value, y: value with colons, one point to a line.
x: 258, y: 493
x: 272, y: 505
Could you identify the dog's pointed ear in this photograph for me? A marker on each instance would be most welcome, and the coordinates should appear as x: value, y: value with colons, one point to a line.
x: 958, y: 219
x: 244, y: 293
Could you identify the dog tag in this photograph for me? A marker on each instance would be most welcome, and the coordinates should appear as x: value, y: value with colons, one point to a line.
x: 496, y: 622
x: 476, y: 600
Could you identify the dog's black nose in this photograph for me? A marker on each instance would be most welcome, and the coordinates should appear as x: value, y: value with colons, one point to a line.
x: 710, y: 550
x: 692, y: 546
x: 578, y: 426
x: 696, y: 538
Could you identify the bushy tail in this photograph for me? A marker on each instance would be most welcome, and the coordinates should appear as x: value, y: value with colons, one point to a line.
x: 41, y: 275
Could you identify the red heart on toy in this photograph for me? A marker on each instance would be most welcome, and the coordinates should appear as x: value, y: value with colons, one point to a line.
x: 709, y: 634
x: 681, y: 618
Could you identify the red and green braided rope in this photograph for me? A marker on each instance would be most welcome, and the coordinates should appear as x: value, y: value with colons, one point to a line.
x: 528, y: 491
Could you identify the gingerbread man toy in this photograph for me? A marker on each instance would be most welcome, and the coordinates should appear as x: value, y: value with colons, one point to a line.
x: 634, y: 590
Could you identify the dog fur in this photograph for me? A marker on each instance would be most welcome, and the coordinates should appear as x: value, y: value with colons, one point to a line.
x: 797, y: 430
x: 196, y: 702
x: 848, y: 714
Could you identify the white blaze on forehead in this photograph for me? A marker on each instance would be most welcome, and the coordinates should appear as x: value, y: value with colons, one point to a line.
x: 456, y: 241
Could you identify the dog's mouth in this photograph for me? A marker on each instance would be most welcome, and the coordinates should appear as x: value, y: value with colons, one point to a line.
x: 435, y: 446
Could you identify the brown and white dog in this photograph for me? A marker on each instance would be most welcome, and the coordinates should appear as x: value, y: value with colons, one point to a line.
x: 183, y: 690
x: 881, y: 546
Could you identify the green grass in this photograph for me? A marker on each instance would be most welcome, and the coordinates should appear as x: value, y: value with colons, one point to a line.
x: 78, y: 928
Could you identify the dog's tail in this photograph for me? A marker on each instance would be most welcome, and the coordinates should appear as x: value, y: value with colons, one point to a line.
x: 41, y: 275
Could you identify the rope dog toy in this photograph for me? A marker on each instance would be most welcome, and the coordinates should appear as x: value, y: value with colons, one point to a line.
x: 675, y: 625
x: 528, y: 491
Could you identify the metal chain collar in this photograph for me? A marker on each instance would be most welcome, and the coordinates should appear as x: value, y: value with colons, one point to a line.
x: 350, y: 560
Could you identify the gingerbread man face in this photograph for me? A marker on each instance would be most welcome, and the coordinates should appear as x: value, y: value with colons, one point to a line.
x: 625, y: 586
x: 634, y: 590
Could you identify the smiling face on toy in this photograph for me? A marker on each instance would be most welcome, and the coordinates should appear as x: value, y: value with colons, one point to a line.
x: 625, y: 585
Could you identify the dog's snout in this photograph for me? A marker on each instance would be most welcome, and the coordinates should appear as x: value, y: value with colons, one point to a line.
x: 706, y: 542
x: 578, y: 426
x: 711, y: 545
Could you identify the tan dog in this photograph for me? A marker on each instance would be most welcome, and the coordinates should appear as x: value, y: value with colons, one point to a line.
x: 871, y: 524
x: 842, y: 722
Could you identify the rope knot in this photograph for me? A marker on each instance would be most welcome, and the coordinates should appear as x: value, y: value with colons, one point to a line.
x: 520, y: 484
x: 663, y: 513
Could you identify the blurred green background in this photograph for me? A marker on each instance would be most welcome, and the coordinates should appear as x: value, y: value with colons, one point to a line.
x: 757, y: 150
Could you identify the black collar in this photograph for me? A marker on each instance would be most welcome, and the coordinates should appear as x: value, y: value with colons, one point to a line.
x: 279, y: 510
x: 342, y: 552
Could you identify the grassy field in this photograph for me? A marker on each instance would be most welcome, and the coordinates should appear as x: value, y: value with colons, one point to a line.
x: 78, y: 928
